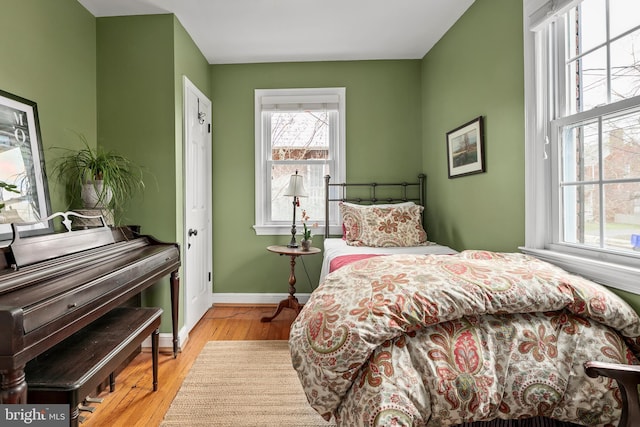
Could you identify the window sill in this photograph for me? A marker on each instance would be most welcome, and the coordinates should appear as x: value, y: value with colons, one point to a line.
x: 285, y: 230
x: 609, y: 274
x: 272, y: 230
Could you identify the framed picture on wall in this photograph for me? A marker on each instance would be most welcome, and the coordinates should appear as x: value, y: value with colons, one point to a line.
x: 465, y: 149
x: 22, y: 168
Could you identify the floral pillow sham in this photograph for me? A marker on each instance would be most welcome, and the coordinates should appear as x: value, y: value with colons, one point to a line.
x: 397, y: 225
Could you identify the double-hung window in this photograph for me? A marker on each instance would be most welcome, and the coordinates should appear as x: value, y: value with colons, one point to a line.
x: 582, y: 95
x: 303, y: 131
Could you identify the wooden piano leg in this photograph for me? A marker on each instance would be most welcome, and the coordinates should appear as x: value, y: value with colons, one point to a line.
x: 13, y: 387
x: 175, y: 289
x: 74, y: 417
x: 154, y: 357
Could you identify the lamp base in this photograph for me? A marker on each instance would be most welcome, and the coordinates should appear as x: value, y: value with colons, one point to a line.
x: 292, y: 242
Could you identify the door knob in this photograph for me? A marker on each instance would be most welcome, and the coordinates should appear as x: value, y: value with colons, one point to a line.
x: 192, y: 232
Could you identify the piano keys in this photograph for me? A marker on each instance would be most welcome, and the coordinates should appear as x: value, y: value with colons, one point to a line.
x: 53, y: 285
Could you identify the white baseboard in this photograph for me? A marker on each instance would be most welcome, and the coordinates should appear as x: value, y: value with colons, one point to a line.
x: 248, y: 298
x: 165, y: 341
x: 166, y: 338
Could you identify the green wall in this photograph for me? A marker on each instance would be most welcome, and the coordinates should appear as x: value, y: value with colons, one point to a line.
x: 127, y: 71
x: 135, y: 110
x: 189, y: 62
x: 141, y: 61
x: 476, y: 69
x: 383, y: 136
x: 49, y: 57
x: 118, y: 81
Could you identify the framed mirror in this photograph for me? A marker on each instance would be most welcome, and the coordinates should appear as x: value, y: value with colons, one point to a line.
x: 21, y: 165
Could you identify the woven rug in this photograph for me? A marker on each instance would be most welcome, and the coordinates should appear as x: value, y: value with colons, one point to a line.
x: 252, y: 383
x: 242, y: 383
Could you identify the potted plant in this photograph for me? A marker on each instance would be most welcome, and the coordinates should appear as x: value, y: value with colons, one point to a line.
x: 306, y: 234
x: 8, y: 187
x: 102, y: 179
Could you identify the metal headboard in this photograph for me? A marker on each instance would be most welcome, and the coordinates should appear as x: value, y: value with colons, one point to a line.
x: 373, y: 199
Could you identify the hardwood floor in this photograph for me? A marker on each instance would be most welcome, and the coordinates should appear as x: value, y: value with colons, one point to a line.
x: 135, y: 404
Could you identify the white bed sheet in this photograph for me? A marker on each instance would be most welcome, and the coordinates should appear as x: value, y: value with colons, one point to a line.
x: 335, y: 247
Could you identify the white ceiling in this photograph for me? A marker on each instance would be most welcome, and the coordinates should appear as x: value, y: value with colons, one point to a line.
x: 246, y: 31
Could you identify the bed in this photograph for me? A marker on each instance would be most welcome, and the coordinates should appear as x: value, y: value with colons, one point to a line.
x: 446, y: 339
x: 338, y: 252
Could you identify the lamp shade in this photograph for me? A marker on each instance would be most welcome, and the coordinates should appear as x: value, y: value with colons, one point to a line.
x: 296, y: 189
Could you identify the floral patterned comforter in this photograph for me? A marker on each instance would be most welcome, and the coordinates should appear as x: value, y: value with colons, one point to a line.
x: 438, y: 340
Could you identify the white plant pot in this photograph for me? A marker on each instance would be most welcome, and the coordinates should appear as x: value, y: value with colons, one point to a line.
x: 94, y: 195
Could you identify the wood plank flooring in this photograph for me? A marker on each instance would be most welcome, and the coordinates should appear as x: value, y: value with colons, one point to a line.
x: 135, y: 404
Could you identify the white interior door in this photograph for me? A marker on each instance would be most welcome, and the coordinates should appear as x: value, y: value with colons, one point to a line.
x: 197, y: 271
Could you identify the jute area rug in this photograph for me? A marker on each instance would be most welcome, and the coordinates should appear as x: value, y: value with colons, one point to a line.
x: 242, y: 383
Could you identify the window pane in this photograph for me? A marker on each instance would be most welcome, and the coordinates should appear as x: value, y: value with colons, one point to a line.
x: 574, y: 86
x: 623, y: 15
x: 588, y: 29
x: 590, y: 80
x: 300, y: 135
x: 580, y: 155
x: 625, y: 67
x: 581, y: 215
x: 622, y: 202
x: 313, y: 181
x: 621, y: 146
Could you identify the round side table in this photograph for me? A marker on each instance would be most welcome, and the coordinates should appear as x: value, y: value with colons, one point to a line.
x: 291, y: 301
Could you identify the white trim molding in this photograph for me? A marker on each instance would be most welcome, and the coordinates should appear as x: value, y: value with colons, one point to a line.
x: 166, y: 338
x: 609, y: 274
x: 165, y: 342
x: 255, y: 298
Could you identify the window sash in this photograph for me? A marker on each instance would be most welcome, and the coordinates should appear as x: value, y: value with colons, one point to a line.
x: 559, y: 226
x: 559, y: 76
x: 294, y: 100
x: 332, y: 136
x: 542, y: 78
x: 328, y: 163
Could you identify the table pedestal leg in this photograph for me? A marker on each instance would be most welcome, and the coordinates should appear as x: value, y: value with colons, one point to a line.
x: 291, y: 301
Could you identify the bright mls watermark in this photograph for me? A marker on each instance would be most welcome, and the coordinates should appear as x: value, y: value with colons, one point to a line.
x: 34, y: 415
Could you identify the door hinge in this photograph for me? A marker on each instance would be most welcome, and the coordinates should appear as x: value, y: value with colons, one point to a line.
x: 209, y: 127
x: 209, y: 276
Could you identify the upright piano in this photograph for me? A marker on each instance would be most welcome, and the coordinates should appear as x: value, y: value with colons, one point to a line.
x: 53, y: 285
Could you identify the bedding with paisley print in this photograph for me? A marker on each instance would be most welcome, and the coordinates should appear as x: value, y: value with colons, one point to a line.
x: 442, y: 340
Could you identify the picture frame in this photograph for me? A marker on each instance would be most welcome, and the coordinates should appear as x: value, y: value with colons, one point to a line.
x: 465, y: 149
x: 22, y: 164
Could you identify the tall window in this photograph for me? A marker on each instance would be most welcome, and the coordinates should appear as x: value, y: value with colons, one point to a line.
x: 583, y: 133
x: 296, y: 130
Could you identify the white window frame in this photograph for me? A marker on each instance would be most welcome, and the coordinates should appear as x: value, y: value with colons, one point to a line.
x: 614, y: 270
x: 262, y: 225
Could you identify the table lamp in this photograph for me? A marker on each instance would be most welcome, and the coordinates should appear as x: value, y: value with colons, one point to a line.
x: 295, y: 190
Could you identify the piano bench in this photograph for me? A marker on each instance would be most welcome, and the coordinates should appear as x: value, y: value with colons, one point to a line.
x: 74, y: 368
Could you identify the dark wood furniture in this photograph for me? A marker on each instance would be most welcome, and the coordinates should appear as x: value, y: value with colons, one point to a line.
x: 74, y: 368
x: 628, y: 379
x: 54, y: 285
x: 291, y: 301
